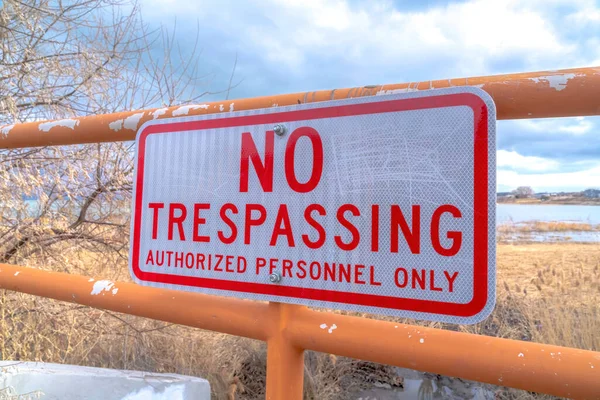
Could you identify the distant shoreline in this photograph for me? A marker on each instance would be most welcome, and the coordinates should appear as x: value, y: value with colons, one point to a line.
x: 550, y: 202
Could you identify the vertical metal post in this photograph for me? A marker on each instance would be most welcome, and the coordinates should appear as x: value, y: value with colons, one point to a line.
x: 285, y: 362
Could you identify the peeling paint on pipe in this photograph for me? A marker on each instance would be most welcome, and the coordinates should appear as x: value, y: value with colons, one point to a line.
x: 564, y: 93
x: 525, y: 365
x: 227, y: 315
x: 290, y: 329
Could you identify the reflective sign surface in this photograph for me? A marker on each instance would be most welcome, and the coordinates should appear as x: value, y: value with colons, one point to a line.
x: 383, y: 204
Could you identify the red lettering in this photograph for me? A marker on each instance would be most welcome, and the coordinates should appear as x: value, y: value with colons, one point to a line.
x: 329, y: 271
x: 160, y: 258
x: 358, y: 273
x: 345, y: 271
x: 173, y: 220
x: 286, y: 229
x: 189, y: 260
x: 200, y: 221
x: 179, y: 259
x: 260, y: 263
x: 317, y: 226
x: 223, y: 214
x: 229, y: 263
x: 200, y: 260
x: 432, y: 282
x: 149, y: 259
x: 374, y: 228
x: 286, y: 268
x: 302, y: 273
x: 155, y: 207
x: 317, y: 275
x: 413, y: 237
x: 219, y: 259
x: 418, y: 279
x: 404, y: 277
x: 372, y: 280
x: 348, y: 225
x: 250, y: 222
x: 454, y: 236
x: 451, y: 280
x: 317, y: 159
x: 272, y: 265
x: 264, y: 172
x: 241, y: 265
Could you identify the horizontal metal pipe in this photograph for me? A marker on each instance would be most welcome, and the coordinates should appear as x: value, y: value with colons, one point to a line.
x: 559, y: 371
x: 238, y: 317
x: 535, y: 367
x: 563, y: 93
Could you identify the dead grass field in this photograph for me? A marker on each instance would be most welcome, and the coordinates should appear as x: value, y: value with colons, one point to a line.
x: 547, y: 292
x: 564, y: 200
x: 548, y: 226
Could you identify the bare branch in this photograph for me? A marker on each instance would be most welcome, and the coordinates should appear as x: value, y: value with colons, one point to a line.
x: 231, y: 77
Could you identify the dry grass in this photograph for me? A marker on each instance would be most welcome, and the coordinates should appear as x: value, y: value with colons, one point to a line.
x: 558, y: 286
x: 547, y: 293
x: 564, y: 200
x: 548, y: 226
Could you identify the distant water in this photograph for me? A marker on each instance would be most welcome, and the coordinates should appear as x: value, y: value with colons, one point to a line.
x: 516, y: 213
x: 528, y: 212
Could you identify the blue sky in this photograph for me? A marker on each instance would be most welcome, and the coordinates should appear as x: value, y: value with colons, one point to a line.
x: 285, y: 46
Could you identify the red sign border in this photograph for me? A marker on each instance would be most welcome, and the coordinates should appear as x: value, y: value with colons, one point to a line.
x: 480, y: 182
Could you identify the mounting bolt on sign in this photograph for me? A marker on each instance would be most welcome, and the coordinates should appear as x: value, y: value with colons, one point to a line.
x: 275, y: 277
x: 279, y: 130
x: 382, y: 204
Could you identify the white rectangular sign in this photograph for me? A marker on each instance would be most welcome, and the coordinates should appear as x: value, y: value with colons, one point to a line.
x: 380, y: 204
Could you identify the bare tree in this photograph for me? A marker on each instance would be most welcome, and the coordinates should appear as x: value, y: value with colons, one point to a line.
x: 59, y: 59
x: 523, y: 192
x: 70, y: 58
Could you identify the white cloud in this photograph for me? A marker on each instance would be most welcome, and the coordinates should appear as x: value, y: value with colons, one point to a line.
x: 543, y: 174
x: 516, y: 161
x: 573, y: 126
x: 558, y: 181
x: 297, y: 45
x: 588, y: 13
x: 468, y: 35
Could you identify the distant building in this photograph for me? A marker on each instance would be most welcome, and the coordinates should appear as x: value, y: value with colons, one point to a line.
x: 504, y: 195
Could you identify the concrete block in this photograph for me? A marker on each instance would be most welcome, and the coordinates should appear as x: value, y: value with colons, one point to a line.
x: 69, y: 382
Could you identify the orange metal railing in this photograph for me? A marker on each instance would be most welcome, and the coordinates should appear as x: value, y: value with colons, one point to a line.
x: 289, y: 329
x: 565, y: 93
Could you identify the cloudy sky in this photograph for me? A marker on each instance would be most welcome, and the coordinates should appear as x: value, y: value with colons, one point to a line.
x: 285, y: 46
